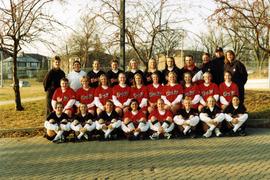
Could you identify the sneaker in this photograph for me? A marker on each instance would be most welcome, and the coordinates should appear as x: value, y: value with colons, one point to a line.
x: 242, y: 132
x: 192, y: 134
x: 86, y: 136
x: 217, y: 132
x: 154, y: 136
x: 207, y: 134
x: 167, y: 135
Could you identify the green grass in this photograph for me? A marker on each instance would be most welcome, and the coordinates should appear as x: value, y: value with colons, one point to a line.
x: 35, y: 90
x: 257, y: 103
x: 32, y: 116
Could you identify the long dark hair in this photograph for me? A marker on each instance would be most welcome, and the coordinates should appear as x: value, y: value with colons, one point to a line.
x: 226, y: 61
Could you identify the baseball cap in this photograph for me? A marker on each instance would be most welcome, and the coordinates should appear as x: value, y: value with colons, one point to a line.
x: 219, y: 49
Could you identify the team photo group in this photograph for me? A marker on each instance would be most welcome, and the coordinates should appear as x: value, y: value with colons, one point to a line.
x: 193, y: 101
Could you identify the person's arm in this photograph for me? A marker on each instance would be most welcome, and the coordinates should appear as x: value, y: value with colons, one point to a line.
x: 198, y: 76
x: 196, y: 99
x: 98, y: 103
x: 223, y: 101
x: 70, y: 103
x: 177, y: 99
x: 166, y: 101
x: 116, y: 101
x: 143, y: 103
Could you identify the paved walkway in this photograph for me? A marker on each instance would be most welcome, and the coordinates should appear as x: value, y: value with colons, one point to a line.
x: 23, y: 100
x: 215, y: 158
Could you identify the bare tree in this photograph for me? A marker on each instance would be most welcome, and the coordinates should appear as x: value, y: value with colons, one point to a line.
x: 21, y: 23
x: 251, y: 15
x: 83, y: 38
x: 144, y: 21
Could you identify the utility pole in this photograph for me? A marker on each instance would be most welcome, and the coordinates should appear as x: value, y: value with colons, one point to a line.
x: 1, y: 59
x: 122, y: 34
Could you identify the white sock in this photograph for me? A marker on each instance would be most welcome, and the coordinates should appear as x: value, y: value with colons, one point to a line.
x: 186, y: 129
x: 136, y: 133
x: 80, y: 135
x: 58, y: 135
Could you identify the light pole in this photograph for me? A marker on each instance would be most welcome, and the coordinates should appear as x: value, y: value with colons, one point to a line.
x: 122, y: 34
x: 1, y: 59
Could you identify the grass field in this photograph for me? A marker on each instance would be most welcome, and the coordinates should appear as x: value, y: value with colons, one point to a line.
x: 257, y: 103
x: 35, y: 90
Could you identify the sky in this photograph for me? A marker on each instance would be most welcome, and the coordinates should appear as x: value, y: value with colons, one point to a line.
x: 69, y: 14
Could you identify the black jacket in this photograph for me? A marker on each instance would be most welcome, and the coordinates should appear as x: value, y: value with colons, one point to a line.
x: 217, y: 70
x: 52, y: 79
x: 239, y: 72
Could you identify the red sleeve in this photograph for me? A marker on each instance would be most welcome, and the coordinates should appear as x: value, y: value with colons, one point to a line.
x: 221, y: 89
x: 56, y: 94
x: 168, y: 114
x: 78, y: 94
x: 215, y: 87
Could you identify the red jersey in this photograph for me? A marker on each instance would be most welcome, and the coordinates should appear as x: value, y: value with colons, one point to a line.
x: 138, y: 94
x: 171, y: 92
x: 63, y: 97
x: 159, y: 116
x: 154, y: 93
x: 122, y: 93
x: 134, y: 117
x: 103, y: 94
x: 85, y: 96
x: 191, y: 91
x: 207, y: 91
x: 228, y: 92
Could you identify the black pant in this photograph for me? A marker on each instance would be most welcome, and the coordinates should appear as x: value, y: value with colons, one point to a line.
x: 48, y: 105
x: 241, y: 90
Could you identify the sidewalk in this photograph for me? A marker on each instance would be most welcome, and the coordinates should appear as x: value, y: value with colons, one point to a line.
x: 214, y: 158
x: 23, y: 100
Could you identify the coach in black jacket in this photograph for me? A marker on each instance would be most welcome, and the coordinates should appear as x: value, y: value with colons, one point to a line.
x: 238, y: 71
x: 217, y: 66
x: 52, y: 81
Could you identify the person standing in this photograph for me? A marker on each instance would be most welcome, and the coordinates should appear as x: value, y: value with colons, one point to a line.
x: 94, y: 74
x: 52, y: 81
x: 217, y: 69
x: 133, y: 69
x: 75, y: 76
x: 238, y: 71
x: 171, y: 67
x: 152, y: 68
x: 113, y: 73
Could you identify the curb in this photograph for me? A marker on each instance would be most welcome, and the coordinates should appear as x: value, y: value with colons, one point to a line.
x: 39, y: 131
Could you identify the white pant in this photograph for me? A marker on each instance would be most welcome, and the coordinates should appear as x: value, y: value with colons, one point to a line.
x: 107, y: 132
x: 128, y: 128
x: 241, y: 119
x: 219, y: 118
x: 155, y: 127
x: 88, y: 127
x: 191, y: 121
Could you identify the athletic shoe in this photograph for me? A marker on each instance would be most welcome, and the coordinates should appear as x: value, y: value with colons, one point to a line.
x: 241, y: 132
x: 217, y: 132
x: 207, y: 134
x: 154, y: 136
x: 86, y: 136
x: 167, y: 135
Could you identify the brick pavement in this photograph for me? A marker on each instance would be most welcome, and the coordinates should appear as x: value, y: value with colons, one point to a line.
x: 214, y: 158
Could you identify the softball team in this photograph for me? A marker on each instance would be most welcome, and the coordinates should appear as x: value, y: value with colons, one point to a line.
x: 149, y: 105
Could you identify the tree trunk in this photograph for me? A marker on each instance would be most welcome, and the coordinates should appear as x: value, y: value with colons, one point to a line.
x: 16, y: 87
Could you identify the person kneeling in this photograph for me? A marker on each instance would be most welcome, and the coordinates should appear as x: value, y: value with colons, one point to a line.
x: 160, y: 121
x: 187, y: 119
x: 212, y: 117
x: 108, y: 123
x: 57, y: 125
x: 83, y: 123
x: 236, y: 116
x: 135, y: 123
